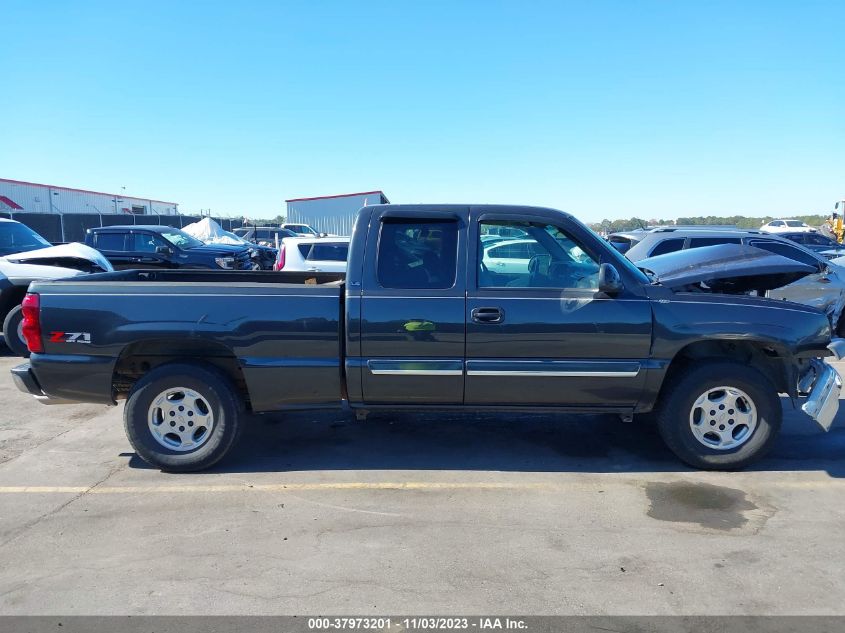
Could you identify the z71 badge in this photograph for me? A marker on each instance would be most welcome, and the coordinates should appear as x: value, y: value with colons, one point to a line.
x: 70, y: 337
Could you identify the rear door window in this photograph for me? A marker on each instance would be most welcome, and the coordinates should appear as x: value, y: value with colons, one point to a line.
x: 698, y: 242
x: 328, y: 252
x: 821, y: 240
x: 418, y: 254
x: 787, y: 250
x: 114, y: 242
x: 668, y: 246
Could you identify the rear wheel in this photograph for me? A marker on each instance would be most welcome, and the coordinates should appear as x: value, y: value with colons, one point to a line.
x: 183, y: 417
x: 13, y: 332
x: 719, y: 415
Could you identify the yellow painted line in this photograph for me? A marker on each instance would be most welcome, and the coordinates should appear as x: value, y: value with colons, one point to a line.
x: 586, y: 486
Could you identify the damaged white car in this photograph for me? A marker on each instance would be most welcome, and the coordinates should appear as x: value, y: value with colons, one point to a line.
x: 25, y: 257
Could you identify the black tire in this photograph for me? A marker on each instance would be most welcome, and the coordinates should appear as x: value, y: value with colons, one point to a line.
x: 223, y: 402
x: 10, y: 332
x: 680, y: 394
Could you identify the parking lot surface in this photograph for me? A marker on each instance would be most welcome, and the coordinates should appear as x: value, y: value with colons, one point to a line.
x: 420, y: 514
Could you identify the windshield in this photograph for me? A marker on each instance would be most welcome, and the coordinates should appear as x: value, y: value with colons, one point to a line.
x: 19, y: 238
x: 301, y: 228
x: 180, y: 239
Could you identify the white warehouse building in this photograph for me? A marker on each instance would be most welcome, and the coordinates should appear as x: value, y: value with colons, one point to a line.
x: 17, y: 196
x: 332, y: 214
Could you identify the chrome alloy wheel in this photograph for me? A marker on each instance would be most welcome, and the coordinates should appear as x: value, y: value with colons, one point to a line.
x: 723, y: 418
x: 180, y: 419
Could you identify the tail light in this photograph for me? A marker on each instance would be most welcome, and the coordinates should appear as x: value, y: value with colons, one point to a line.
x: 31, y: 326
x: 280, y: 258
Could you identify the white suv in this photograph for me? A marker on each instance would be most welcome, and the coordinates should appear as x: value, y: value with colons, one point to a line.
x: 314, y: 254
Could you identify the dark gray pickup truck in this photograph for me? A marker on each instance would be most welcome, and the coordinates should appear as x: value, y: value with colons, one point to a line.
x: 442, y: 307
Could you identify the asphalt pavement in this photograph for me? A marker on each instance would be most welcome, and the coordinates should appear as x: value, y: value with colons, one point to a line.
x: 413, y: 514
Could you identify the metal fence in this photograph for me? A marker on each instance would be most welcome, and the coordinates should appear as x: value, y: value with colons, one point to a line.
x: 57, y: 228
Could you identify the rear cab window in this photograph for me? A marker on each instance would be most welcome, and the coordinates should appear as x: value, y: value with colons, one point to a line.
x: 115, y: 242
x: 417, y: 253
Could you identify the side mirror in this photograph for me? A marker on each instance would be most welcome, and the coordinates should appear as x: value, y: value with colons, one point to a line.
x: 610, y: 282
x: 164, y: 250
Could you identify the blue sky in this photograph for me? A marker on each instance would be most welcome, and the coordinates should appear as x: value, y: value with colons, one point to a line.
x: 605, y: 109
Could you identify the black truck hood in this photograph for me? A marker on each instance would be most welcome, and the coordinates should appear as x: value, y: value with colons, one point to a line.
x: 725, y: 268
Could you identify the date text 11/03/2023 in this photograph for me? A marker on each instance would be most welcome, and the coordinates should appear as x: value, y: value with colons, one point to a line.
x: 416, y: 623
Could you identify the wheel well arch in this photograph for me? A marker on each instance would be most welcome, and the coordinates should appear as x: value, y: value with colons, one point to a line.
x: 12, y: 297
x: 768, y: 358
x: 139, y: 358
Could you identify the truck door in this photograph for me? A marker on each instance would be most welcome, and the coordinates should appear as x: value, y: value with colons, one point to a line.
x: 412, y: 308
x: 145, y: 251
x: 542, y: 333
x: 112, y: 244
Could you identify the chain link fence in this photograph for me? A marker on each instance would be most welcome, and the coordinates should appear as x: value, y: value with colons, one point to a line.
x: 58, y: 228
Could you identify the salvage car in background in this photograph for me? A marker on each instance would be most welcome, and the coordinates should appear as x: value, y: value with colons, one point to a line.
x: 823, y: 286
x: 18, y: 238
x: 302, y: 229
x: 817, y: 242
x: 208, y: 231
x: 263, y: 235
x: 35, y: 263
x: 163, y: 247
x: 321, y: 254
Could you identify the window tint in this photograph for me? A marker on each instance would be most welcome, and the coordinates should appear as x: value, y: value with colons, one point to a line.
x: 794, y: 223
x: 547, y: 257
x: 668, y: 246
x: 776, y: 223
x: 417, y: 254
x: 145, y: 243
x: 815, y: 238
x: 262, y: 234
x: 111, y: 241
x: 698, y: 242
x: 792, y: 252
x: 16, y: 238
x: 325, y: 251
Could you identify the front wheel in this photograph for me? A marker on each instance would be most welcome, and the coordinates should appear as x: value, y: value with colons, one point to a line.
x: 183, y: 417
x: 719, y: 415
x: 13, y: 332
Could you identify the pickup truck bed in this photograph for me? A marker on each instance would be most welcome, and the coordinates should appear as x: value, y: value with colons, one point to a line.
x: 437, y: 310
x: 262, y: 326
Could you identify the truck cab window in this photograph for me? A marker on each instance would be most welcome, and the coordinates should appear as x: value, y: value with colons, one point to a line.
x: 545, y: 256
x: 111, y: 241
x: 146, y: 243
x: 417, y: 253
